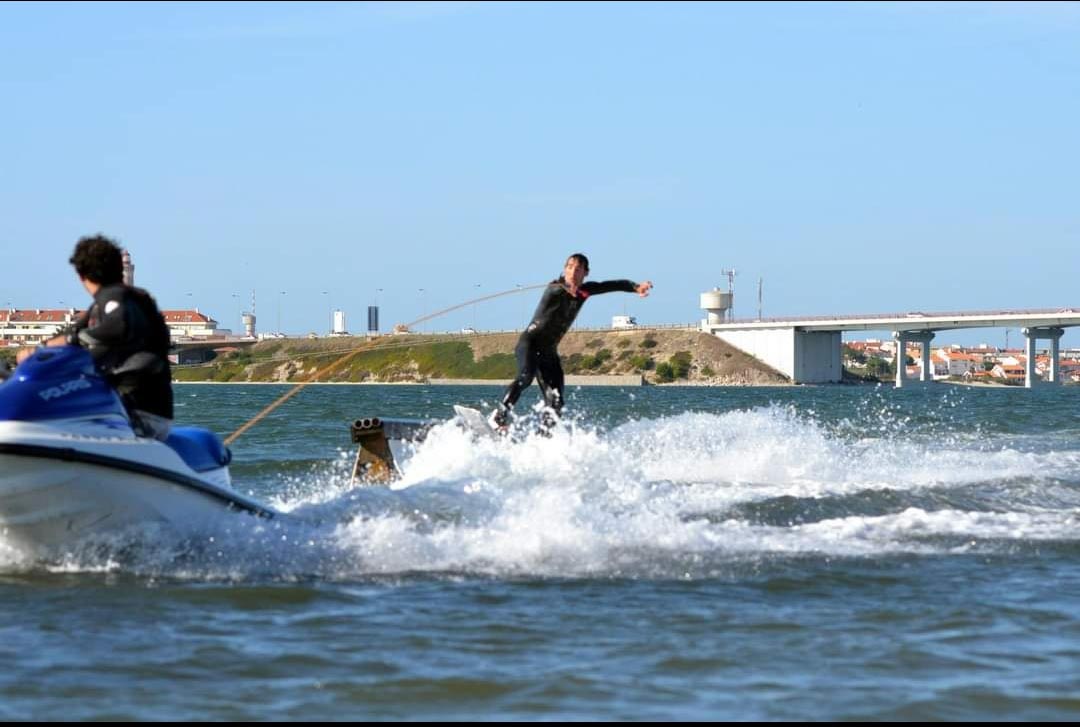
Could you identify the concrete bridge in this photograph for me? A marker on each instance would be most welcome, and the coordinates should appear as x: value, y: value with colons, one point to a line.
x: 809, y: 349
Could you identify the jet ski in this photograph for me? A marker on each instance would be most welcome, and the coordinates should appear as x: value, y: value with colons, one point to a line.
x: 72, y: 466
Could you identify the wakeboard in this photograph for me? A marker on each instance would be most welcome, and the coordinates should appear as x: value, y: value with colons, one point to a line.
x: 475, y: 421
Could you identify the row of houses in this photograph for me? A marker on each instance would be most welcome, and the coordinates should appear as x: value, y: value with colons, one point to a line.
x: 1007, y: 365
x: 978, y: 362
x: 33, y: 326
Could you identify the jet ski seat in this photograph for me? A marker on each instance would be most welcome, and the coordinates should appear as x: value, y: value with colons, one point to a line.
x: 199, y: 448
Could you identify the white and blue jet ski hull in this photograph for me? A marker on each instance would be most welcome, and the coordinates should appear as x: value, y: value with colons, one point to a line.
x: 72, y: 468
x: 58, y: 488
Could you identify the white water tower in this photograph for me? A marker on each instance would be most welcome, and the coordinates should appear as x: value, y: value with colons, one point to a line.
x: 249, y: 324
x: 717, y: 303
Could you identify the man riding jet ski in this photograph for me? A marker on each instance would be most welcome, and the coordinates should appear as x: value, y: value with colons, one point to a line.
x: 86, y: 442
x: 125, y: 333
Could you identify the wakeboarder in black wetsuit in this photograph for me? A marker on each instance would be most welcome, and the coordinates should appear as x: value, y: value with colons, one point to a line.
x: 537, y: 349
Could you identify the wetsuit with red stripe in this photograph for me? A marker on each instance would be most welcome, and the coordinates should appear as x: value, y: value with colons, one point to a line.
x: 537, y: 349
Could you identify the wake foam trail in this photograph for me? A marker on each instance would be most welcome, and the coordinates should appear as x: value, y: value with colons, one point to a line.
x: 650, y: 498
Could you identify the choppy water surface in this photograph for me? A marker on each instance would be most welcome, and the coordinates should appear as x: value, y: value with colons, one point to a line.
x: 673, y: 553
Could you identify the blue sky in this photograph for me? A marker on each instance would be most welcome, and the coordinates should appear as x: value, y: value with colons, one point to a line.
x: 860, y: 158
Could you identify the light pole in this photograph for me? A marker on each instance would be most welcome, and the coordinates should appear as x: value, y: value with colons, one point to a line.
x: 423, y: 310
x: 477, y: 287
x: 239, y: 314
x: 330, y: 311
x: 282, y: 293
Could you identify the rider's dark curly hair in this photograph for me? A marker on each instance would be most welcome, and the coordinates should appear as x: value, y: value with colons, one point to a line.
x: 98, y: 259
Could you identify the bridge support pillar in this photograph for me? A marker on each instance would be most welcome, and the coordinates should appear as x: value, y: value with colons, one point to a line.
x: 806, y: 357
x: 900, y: 358
x: 902, y: 339
x: 818, y: 357
x: 1055, y: 356
x: 1031, y: 336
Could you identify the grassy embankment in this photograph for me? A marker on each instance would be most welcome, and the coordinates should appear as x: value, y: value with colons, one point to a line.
x: 661, y: 356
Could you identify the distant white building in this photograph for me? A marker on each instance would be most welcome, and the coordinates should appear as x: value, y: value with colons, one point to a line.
x: 32, y: 327
x: 338, y: 328
x: 954, y: 362
x: 186, y: 325
x: 1010, y: 372
x: 623, y: 322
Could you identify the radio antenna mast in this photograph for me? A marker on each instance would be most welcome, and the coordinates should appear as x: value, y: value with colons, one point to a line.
x: 731, y: 290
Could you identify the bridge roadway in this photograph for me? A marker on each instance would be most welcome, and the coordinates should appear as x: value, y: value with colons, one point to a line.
x: 808, y: 349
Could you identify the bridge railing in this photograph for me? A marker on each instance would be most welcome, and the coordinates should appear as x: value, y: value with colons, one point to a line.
x: 913, y: 315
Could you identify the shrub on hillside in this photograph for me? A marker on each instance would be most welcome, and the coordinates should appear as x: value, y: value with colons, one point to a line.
x: 680, y: 364
x: 595, y: 361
